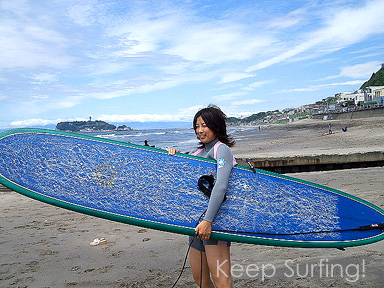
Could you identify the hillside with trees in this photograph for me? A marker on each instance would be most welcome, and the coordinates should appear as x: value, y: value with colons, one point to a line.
x: 256, y: 119
x: 76, y: 126
x: 377, y: 79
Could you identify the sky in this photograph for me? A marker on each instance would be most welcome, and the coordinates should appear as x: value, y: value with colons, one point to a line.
x: 154, y: 61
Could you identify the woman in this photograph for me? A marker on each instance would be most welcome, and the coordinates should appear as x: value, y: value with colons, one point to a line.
x: 208, y: 256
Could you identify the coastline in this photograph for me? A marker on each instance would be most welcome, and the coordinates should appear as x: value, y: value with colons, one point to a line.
x: 46, y: 246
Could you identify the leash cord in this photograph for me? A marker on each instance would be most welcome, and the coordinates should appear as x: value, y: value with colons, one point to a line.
x: 361, y: 228
x: 185, y: 261
x: 186, y: 256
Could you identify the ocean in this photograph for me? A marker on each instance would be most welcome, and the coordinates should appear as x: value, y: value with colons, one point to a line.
x: 183, y: 139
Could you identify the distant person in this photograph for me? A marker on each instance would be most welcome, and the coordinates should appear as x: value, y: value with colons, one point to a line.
x: 211, y: 257
x: 146, y: 144
x: 330, y: 128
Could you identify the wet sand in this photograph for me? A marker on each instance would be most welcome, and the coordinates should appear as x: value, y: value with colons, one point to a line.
x: 46, y: 246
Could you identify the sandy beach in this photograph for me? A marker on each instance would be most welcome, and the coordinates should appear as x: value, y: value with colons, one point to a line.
x: 310, y: 137
x: 46, y: 246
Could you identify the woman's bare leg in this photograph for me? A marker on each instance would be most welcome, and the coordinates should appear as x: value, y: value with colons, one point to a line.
x: 219, y: 263
x: 195, y: 258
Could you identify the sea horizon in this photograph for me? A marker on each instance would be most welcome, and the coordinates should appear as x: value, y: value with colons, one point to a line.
x: 178, y: 135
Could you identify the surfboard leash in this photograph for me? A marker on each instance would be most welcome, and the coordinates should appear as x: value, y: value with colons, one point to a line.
x: 185, y: 261
x: 360, y: 228
x: 251, y: 165
x: 186, y: 256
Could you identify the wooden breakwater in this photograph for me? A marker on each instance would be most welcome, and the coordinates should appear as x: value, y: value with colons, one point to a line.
x: 4, y: 189
x: 318, y: 162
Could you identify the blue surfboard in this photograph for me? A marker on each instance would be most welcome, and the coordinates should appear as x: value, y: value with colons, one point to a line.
x: 147, y: 187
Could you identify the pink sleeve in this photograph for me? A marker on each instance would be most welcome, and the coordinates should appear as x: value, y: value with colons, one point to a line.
x: 218, y: 143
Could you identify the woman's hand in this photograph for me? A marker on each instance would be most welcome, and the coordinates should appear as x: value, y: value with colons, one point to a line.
x: 204, y: 230
x: 171, y: 151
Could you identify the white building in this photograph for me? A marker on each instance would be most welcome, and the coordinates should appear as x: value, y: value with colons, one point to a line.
x: 350, y: 97
x: 344, y: 96
x: 374, y: 94
x: 359, y: 96
x: 379, y: 96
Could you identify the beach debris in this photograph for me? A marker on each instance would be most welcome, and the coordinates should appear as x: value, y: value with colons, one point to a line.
x: 98, y: 241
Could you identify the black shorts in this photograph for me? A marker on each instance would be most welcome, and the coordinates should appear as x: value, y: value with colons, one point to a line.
x: 199, y: 244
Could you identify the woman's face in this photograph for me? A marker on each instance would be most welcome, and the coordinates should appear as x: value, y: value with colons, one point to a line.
x: 205, y: 134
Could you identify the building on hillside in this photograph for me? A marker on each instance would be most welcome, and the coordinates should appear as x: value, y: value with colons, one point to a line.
x: 359, y: 97
x: 346, y: 98
x: 373, y: 95
x: 379, y: 96
x: 369, y: 96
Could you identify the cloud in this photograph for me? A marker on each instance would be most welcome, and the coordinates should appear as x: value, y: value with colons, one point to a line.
x: 35, y: 122
x: 42, y: 78
x: 206, y: 41
x: 322, y: 86
x: 40, y: 103
x: 143, y: 118
x: 363, y: 70
x: 360, y: 70
x: 20, y: 49
x: 87, y: 13
x: 257, y: 84
x: 190, y: 111
x: 27, y: 41
x: 247, y: 102
x: 338, y: 32
x: 216, y: 42
x: 292, y: 19
x: 232, y: 77
x: 357, y: 71
x: 229, y: 96
x: 300, y: 48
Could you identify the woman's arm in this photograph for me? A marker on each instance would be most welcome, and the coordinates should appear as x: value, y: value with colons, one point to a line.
x: 224, y: 168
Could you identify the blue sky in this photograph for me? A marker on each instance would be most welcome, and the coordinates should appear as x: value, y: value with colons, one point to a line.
x: 124, y: 61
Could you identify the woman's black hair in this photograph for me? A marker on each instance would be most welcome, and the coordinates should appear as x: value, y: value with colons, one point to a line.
x: 215, y: 119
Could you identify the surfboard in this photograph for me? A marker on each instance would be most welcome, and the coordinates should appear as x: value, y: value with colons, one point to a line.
x: 145, y: 186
